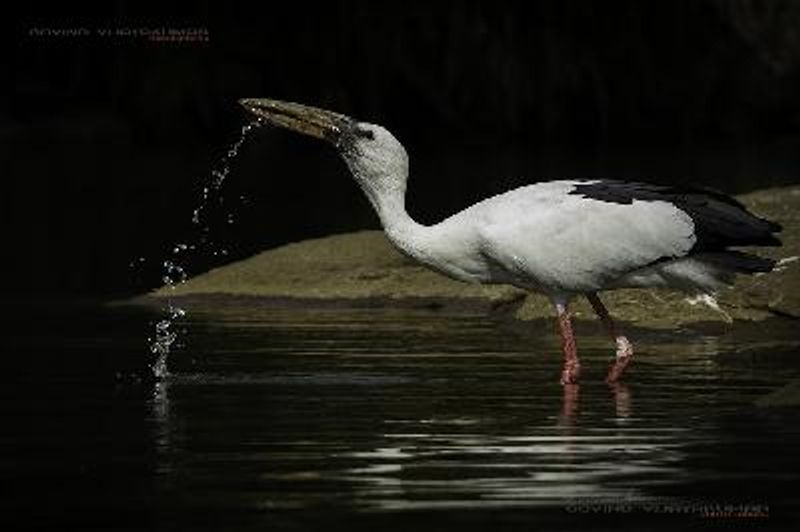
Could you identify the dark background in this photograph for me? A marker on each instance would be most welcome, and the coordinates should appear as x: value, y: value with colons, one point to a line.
x: 106, y: 142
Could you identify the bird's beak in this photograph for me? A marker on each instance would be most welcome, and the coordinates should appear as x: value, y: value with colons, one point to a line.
x: 307, y: 120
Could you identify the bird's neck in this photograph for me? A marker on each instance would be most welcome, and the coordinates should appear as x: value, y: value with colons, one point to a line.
x: 389, y: 202
x: 403, y: 231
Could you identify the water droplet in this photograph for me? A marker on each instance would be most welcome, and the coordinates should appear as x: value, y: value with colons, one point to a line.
x: 174, y: 273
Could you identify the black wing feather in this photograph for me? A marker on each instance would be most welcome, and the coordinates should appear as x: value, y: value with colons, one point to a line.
x: 719, y: 220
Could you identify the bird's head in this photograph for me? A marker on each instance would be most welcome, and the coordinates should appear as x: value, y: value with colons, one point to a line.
x: 377, y: 160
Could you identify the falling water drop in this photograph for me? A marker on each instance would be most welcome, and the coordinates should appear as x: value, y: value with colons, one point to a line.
x: 174, y: 273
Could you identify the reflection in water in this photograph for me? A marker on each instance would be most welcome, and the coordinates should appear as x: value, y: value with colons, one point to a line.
x: 393, y: 411
x: 622, y: 400
x: 310, y: 420
x: 569, y: 404
x: 446, y: 466
x: 161, y: 415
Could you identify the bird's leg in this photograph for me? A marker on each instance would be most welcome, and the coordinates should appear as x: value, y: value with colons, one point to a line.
x: 624, y: 347
x: 572, y: 366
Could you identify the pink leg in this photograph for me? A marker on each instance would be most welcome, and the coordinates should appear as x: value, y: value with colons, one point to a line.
x: 624, y: 347
x: 572, y: 367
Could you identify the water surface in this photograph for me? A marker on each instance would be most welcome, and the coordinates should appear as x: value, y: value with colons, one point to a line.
x: 340, y: 419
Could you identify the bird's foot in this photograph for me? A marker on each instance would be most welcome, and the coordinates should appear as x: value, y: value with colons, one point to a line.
x: 624, y: 357
x: 571, y: 372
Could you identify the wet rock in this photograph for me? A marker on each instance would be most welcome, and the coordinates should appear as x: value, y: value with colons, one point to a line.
x: 363, y: 266
x: 350, y: 269
x: 777, y: 292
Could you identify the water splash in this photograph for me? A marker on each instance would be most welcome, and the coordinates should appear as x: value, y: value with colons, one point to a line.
x: 217, y: 178
x: 174, y: 269
x: 165, y: 336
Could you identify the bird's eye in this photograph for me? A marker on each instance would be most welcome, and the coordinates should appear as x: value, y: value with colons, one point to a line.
x: 365, y: 134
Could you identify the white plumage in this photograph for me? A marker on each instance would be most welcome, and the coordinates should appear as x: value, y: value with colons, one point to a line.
x: 561, y: 238
x: 542, y: 238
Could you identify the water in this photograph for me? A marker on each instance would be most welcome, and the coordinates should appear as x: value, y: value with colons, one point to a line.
x: 209, y: 210
x: 384, y: 419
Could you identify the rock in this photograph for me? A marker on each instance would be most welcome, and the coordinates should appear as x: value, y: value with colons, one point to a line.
x: 362, y: 267
x: 779, y: 291
x: 351, y: 268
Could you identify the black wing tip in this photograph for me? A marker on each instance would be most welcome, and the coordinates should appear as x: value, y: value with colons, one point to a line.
x: 769, y: 228
x: 740, y: 262
x: 773, y: 227
x: 759, y: 265
x: 721, y: 221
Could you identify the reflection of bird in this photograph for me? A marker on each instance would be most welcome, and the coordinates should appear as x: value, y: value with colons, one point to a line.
x: 560, y: 238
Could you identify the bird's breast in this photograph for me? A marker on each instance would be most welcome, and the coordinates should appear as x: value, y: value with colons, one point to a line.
x: 450, y: 251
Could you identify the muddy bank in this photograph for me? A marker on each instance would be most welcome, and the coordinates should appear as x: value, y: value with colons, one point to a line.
x: 362, y: 269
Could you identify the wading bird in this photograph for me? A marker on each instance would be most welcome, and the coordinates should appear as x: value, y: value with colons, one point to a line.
x: 560, y: 238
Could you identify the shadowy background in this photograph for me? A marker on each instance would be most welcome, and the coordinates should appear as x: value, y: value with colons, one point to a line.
x: 106, y: 139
